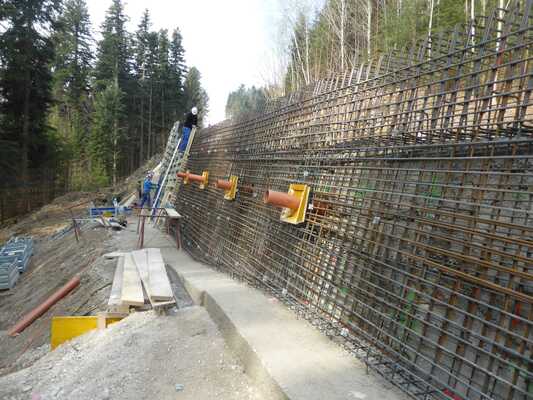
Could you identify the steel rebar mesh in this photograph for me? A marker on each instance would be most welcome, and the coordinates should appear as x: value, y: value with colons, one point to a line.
x: 417, y: 247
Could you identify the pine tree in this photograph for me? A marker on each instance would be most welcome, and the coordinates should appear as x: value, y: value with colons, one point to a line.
x: 25, y: 79
x: 146, y: 72
x: 72, y: 66
x: 140, y: 73
x: 113, y: 84
x: 107, y: 133
x: 178, y: 70
x: 165, y: 86
x: 244, y: 102
x: 195, y: 95
x: 73, y: 52
x: 113, y: 59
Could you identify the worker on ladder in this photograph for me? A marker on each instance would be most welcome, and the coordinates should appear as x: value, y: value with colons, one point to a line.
x: 191, y: 121
x: 148, y: 186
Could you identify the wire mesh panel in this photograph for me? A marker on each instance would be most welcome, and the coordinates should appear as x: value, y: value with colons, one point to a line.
x: 416, y: 251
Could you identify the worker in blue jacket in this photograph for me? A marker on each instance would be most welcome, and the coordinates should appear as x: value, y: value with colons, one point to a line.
x: 148, y: 186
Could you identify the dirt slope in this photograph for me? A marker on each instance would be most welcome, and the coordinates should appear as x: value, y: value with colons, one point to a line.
x: 54, y: 263
x: 142, y: 357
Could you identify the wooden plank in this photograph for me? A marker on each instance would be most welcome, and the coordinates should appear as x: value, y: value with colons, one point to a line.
x: 141, y: 262
x: 172, y: 213
x: 163, y: 303
x: 116, y: 287
x: 132, y: 291
x: 160, y: 289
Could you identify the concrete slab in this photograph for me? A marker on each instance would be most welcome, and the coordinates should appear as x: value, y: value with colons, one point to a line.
x: 286, y: 356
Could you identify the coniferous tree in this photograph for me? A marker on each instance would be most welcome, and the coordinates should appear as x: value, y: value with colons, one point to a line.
x: 195, y: 95
x: 93, y: 119
x: 73, y: 52
x: 112, y: 83
x: 244, y: 102
x: 140, y: 74
x: 25, y: 80
x: 113, y: 56
x: 178, y: 71
x: 165, y: 87
x: 70, y: 115
x: 107, y: 133
x: 151, y: 90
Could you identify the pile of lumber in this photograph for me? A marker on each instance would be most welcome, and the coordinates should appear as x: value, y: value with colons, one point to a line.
x: 140, y: 280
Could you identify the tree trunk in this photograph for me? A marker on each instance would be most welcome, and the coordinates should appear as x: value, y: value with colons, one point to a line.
x: 430, y: 26
x: 115, y: 145
x: 141, y: 144
x: 369, y: 27
x: 25, y: 136
x: 150, y: 123
x: 163, y: 127
x: 343, y: 22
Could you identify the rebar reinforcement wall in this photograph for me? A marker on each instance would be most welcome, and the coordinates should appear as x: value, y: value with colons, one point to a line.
x: 416, y: 251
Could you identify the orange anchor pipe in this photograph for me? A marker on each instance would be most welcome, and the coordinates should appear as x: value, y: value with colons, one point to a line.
x: 281, y: 199
x: 222, y: 184
x: 196, y: 178
x: 191, y: 177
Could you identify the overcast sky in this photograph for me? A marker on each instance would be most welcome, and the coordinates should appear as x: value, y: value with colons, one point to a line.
x: 229, y: 41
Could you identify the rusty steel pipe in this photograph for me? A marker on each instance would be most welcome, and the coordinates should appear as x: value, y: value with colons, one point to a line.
x: 222, y: 184
x: 28, y: 319
x: 281, y: 199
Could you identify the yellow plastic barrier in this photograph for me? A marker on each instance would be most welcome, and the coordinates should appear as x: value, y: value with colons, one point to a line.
x: 67, y: 328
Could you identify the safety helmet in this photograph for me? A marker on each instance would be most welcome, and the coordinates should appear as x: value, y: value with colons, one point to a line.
x: 194, y: 111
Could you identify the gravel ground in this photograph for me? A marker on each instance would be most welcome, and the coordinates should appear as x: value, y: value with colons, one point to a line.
x: 142, y: 357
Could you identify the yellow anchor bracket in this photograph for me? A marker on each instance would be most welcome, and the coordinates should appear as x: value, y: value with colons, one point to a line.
x: 231, y: 192
x: 205, y: 181
x: 297, y: 216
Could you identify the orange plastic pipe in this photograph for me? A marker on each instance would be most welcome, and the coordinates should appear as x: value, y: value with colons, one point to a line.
x: 222, y: 184
x: 281, y: 199
x: 28, y: 319
x: 196, y: 178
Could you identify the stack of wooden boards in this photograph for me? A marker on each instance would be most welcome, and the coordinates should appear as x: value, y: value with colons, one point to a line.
x: 140, y: 279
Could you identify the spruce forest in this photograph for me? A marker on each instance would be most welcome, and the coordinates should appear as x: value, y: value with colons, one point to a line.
x: 82, y: 106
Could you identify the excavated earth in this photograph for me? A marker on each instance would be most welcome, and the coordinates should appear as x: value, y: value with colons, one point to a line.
x: 145, y: 356
x: 55, y: 262
x: 57, y: 258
